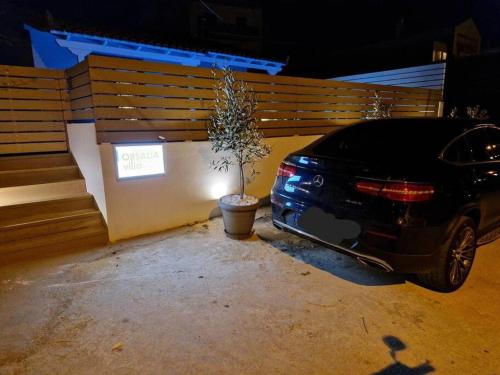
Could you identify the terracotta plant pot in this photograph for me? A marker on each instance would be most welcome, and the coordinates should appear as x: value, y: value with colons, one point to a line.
x: 238, y: 219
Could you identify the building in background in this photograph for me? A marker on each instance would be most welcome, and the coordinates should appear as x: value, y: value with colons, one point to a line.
x: 431, y: 49
x: 233, y: 24
x: 452, y: 42
x: 453, y: 63
x: 191, y: 32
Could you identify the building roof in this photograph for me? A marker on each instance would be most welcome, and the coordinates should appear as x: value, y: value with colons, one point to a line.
x: 430, y: 76
x: 83, y: 44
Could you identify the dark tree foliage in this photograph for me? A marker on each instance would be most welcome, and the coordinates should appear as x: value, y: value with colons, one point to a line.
x: 232, y: 128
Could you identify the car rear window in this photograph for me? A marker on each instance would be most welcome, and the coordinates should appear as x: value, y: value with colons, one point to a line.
x: 478, y: 142
x: 458, y: 152
x: 493, y: 148
x: 389, y: 141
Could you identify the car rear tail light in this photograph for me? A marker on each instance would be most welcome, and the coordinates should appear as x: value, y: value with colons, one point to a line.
x: 370, y: 188
x: 407, y: 192
x: 397, y: 191
x: 286, y: 170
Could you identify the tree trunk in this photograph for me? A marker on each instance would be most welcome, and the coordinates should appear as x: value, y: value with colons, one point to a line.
x: 242, y: 182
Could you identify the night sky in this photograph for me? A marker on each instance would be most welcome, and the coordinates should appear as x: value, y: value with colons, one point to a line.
x: 301, y: 32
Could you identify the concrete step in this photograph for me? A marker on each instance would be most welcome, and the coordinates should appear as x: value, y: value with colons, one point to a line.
x: 45, y: 209
x: 82, y: 236
x: 52, y: 190
x: 48, y: 225
x: 91, y: 239
x: 66, y: 222
x: 21, y: 177
x: 9, y: 163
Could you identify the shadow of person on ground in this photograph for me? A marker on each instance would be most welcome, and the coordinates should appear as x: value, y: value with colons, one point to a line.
x: 323, y: 258
x: 397, y: 368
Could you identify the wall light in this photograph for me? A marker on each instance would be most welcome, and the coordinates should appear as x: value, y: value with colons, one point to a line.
x: 218, y: 190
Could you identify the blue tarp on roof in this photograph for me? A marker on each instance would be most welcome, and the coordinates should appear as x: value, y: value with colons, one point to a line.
x: 62, y: 49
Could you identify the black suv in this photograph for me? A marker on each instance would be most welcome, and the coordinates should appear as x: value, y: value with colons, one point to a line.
x: 406, y: 195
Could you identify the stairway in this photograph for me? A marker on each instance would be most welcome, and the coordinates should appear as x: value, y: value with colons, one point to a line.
x: 44, y: 206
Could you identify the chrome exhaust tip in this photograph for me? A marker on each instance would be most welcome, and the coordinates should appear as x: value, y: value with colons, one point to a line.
x: 373, y: 264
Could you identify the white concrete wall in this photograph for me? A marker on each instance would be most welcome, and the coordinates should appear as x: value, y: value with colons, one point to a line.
x: 83, y: 146
x: 188, y: 191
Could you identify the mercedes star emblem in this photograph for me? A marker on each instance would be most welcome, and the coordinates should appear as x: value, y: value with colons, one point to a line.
x: 318, y: 180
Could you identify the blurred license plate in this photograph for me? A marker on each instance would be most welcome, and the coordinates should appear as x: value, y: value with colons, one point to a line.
x: 291, y: 218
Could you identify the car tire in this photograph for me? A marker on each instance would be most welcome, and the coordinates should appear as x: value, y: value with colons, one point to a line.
x: 455, y: 259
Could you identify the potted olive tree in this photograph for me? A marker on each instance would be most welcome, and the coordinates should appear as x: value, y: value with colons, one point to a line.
x: 380, y: 109
x: 233, y: 133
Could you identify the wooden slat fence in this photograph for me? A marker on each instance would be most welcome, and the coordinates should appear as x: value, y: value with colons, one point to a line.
x: 138, y: 101
x: 424, y: 76
x: 33, y: 109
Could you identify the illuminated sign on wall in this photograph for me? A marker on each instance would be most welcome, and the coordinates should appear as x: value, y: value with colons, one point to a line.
x: 139, y: 161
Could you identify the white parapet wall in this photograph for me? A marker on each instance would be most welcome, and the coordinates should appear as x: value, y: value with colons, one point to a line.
x: 186, y: 193
x: 83, y: 146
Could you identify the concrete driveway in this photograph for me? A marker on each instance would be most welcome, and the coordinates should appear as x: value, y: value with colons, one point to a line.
x: 190, y: 301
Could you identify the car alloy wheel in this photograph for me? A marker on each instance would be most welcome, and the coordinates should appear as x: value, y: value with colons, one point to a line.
x: 461, y: 255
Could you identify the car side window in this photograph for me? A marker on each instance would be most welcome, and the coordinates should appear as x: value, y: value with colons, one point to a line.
x: 493, y: 146
x: 478, y: 142
x: 458, y: 152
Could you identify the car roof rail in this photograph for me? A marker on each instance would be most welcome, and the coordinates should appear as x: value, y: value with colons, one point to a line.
x: 485, y: 125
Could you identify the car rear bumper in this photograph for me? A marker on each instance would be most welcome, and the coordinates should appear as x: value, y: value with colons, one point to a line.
x: 363, y: 257
x: 373, y: 257
x: 407, y: 249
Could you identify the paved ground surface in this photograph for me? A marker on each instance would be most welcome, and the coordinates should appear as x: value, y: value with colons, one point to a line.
x: 190, y: 301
